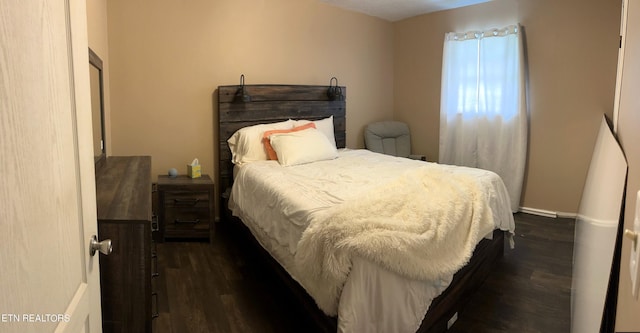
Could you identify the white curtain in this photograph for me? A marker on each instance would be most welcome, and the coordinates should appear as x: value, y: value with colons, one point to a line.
x: 483, y: 109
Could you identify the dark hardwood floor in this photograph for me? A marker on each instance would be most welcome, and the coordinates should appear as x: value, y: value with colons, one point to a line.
x: 530, y: 289
x: 220, y: 287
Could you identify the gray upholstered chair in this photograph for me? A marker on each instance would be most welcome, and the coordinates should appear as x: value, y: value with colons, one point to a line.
x: 391, y: 138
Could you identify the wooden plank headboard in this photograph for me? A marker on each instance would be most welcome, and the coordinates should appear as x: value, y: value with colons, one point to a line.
x: 272, y: 103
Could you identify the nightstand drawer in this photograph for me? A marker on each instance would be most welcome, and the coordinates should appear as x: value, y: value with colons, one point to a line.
x: 187, y: 222
x: 186, y: 199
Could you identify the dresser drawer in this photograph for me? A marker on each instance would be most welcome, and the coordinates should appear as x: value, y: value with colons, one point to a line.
x: 186, y: 199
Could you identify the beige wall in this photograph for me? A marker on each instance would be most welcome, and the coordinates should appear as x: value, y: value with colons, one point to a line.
x: 168, y: 57
x: 98, y: 42
x: 572, y: 53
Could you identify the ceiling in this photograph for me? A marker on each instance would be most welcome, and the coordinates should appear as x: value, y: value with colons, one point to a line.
x: 396, y: 10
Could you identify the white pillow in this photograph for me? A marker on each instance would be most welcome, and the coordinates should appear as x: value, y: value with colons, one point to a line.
x: 302, y: 147
x: 323, y: 125
x: 246, y: 143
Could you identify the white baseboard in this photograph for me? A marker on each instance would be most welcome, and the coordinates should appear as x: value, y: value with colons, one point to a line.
x: 539, y: 212
x: 546, y: 213
x: 566, y: 215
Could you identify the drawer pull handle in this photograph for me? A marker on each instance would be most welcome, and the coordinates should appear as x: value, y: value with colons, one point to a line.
x: 154, y: 265
x: 179, y: 221
x: 156, y: 313
x: 186, y: 202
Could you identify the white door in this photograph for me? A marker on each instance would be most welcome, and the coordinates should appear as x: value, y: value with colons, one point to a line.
x: 48, y: 280
x: 628, y: 103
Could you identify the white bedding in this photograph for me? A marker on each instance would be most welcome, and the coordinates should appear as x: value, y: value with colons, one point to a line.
x: 279, y: 203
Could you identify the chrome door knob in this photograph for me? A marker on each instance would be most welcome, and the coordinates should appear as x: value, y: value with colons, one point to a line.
x: 104, y: 247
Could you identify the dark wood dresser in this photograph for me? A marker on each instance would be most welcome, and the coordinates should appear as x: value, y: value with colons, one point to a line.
x: 123, y: 193
x: 186, y: 207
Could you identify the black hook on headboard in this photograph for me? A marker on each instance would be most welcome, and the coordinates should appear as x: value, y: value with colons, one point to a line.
x: 241, y: 94
x: 334, y: 93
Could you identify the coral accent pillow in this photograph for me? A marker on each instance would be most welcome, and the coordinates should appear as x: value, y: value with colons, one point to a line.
x: 271, y: 154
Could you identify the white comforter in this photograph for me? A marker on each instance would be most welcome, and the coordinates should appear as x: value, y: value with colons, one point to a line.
x: 280, y: 205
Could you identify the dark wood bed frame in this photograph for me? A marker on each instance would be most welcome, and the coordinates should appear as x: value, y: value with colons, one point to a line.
x: 273, y: 103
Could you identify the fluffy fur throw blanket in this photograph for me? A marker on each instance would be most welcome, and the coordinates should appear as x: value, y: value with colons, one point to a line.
x: 423, y: 225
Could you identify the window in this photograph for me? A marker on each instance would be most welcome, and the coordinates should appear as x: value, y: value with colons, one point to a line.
x: 480, y: 73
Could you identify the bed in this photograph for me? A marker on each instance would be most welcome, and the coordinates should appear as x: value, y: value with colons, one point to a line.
x: 293, y: 213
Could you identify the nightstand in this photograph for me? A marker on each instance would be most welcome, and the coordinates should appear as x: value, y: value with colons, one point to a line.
x: 186, y: 207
